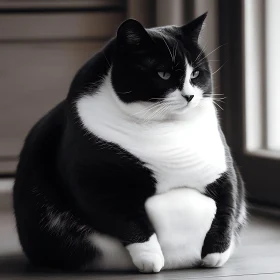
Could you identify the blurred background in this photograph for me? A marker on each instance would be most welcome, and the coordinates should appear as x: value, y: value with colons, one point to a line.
x: 43, y: 43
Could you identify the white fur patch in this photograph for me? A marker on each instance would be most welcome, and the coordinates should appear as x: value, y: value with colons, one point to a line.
x: 189, y: 89
x: 181, y: 219
x: 147, y: 256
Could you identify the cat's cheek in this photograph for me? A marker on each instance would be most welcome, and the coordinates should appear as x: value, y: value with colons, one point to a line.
x: 147, y: 256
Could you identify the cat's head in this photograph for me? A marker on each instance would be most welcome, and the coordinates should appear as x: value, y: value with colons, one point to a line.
x: 160, y: 72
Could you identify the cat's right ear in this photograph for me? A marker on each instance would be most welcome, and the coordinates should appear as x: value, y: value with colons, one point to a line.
x: 132, y: 36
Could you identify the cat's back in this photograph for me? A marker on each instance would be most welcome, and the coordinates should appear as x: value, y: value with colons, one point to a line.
x: 41, y: 144
x: 50, y: 124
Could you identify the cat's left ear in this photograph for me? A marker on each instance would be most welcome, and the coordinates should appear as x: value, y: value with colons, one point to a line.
x: 132, y: 36
x: 193, y: 28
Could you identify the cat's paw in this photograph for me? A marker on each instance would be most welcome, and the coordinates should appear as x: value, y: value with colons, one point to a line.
x: 147, y: 256
x: 149, y: 262
x: 217, y: 259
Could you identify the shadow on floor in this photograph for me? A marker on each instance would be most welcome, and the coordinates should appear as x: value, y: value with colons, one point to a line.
x: 16, y: 264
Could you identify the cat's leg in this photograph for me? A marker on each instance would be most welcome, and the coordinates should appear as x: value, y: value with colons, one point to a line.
x: 51, y: 237
x: 147, y: 256
x: 117, y: 211
x: 220, y: 240
x: 136, y: 235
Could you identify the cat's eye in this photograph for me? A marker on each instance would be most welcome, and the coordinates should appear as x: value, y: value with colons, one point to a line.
x: 164, y: 75
x: 195, y: 74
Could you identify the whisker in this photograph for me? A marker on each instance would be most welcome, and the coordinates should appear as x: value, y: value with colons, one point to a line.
x: 203, y: 60
x: 167, y: 46
x: 146, y: 119
x: 154, y: 98
x: 157, y: 112
x: 216, y: 49
x: 215, y: 95
x: 210, y: 60
x: 156, y: 106
x: 165, y: 109
x: 218, y: 105
x: 124, y: 92
x: 175, y: 51
x: 218, y: 69
x: 106, y: 59
x: 160, y: 110
x: 201, y: 52
x: 101, y: 77
x: 146, y: 110
x: 213, y: 51
x: 219, y: 100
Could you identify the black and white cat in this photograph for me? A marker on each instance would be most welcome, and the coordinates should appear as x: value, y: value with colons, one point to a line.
x: 132, y: 170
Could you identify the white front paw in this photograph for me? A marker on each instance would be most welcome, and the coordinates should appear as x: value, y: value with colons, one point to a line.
x: 147, y: 256
x: 149, y: 262
x: 218, y: 259
x: 214, y: 260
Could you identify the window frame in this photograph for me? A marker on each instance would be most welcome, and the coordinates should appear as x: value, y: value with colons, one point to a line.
x: 260, y: 170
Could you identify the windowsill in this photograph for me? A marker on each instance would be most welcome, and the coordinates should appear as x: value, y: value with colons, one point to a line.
x: 263, y: 153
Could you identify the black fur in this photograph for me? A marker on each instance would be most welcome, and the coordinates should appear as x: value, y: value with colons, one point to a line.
x: 229, y: 194
x: 93, y: 185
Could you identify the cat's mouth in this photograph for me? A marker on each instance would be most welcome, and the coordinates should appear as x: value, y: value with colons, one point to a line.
x: 187, y: 106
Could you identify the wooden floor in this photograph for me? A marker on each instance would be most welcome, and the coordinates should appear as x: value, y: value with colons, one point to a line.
x: 257, y: 258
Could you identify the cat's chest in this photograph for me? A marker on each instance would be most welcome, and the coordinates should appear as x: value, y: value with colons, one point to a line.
x: 181, y: 154
x: 185, y: 153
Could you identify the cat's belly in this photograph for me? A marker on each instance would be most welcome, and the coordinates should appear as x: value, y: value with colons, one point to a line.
x: 181, y: 219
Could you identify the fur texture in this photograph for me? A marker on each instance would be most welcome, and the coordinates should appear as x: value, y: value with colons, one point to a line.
x: 131, y: 170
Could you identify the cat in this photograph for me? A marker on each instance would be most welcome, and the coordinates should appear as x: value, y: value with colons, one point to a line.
x: 132, y: 170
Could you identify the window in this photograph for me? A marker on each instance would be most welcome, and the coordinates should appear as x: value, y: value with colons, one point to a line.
x: 272, y: 39
x: 250, y: 81
x: 262, y: 92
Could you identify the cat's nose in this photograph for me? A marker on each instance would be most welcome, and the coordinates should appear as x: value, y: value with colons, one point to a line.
x: 188, y: 97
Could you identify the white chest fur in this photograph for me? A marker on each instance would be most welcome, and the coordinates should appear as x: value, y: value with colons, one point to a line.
x: 182, y: 153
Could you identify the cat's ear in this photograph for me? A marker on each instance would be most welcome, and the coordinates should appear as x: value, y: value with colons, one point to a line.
x: 132, y: 35
x: 193, y: 28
